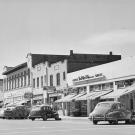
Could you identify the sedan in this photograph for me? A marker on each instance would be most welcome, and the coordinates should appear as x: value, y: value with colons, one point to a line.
x: 111, y: 111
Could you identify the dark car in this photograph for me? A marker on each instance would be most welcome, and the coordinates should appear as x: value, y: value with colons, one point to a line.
x: 44, y: 112
x: 16, y: 112
x: 110, y: 111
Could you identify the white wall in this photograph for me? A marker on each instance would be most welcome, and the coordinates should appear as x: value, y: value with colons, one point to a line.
x: 120, y: 68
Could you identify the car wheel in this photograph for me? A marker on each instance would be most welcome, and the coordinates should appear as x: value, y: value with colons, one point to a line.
x: 128, y: 121
x: 95, y: 122
x: 110, y: 122
x: 57, y: 117
x: 33, y: 119
x: 115, y: 122
x: 44, y: 118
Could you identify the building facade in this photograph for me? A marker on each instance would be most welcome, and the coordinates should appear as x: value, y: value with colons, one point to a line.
x: 45, y: 76
x: 111, y: 81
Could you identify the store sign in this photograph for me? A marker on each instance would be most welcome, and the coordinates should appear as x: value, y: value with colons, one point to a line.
x: 28, y: 95
x: 88, y: 77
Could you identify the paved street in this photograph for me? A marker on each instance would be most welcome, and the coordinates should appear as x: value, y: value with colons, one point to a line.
x: 63, y: 127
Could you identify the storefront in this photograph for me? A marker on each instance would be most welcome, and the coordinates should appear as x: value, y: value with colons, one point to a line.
x: 112, y: 81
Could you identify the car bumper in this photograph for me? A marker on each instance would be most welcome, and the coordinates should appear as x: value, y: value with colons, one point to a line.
x: 102, y: 118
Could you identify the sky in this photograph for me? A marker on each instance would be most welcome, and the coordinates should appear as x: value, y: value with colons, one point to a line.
x: 58, y: 26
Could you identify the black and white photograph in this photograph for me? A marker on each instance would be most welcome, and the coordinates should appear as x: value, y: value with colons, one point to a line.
x: 67, y: 67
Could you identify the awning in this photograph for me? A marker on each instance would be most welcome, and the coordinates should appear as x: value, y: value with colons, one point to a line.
x: 99, y: 94
x: 129, y: 90
x: 22, y: 102
x: 93, y: 95
x: 114, y: 94
x: 66, y: 98
x: 85, y: 97
x: 78, y: 96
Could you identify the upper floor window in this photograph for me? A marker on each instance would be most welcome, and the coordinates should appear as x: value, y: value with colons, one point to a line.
x: 51, y: 80
x: 37, y: 82
x: 58, y: 79
x: 28, y: 76
x: 41, y: 81
x: 64, y: 75
x: 21, y: 79
x: 33, y: 83
x: 24, y: 78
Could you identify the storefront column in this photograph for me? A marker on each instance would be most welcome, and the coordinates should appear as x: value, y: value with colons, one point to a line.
x: 114, y: 86
x: 87, y: 89
x: 88, y: 101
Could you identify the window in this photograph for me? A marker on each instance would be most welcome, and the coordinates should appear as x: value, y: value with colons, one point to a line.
x: 33, y: 83
x: 58, y: 79
x: 45, y: 79
x: 28, y: 77
x: 24, y: 78
x: 21, y: 79
x: 51, y: 80
x: 15, y: 81
x: 64, y: 75
x: 38, y: 82
x: 41, y: 81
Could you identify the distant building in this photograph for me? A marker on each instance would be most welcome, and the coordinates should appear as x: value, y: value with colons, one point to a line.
x: 46, y: 75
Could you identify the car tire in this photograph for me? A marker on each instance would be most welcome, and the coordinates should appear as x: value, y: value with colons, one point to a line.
x: 128, y: 121
x: 110, y: 122
x: 95, y: 122
x: 44, y: 118
x: 32, y: 119
x: 57, y: 117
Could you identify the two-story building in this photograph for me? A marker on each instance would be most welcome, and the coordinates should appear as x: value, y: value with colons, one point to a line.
x: 45, y: 76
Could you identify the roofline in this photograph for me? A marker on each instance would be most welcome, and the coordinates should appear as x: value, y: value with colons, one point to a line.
x: 15, y: 68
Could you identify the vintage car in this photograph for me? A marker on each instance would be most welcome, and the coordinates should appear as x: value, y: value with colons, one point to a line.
x: 111, y: 111
x: 16, y: 112
x: 44, y: 112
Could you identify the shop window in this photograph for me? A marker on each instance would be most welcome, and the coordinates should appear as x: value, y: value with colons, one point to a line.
x: 51, y: 80
x: 37, y: 82
x: 58, y: 79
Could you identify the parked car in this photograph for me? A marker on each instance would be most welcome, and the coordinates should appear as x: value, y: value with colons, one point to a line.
x: 16, y: 112
x: 111, y: 111
x: 44, y: 112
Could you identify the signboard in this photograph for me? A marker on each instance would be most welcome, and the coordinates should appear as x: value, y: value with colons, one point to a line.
x: 28, y: 95
x: 88, y: 77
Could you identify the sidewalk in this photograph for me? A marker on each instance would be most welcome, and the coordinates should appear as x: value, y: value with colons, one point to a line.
x: 71, y: 117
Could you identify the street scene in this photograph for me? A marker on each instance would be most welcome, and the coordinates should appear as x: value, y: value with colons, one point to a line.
x: 67, y: 67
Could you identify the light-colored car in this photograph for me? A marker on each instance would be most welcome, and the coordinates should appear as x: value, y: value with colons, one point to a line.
x: 111, y: 111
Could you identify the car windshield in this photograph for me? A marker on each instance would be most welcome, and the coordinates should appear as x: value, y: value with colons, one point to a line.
x: 36, y: 108
x: 102, y: 107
